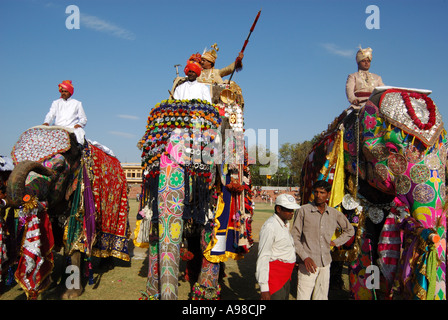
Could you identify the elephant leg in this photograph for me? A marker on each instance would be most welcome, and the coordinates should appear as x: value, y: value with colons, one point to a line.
x: 209, y: 274
x: 207, y: 287
x: 357, y: 272
x: 170, y: 199
x: 336, y: 268
x: 152, y: 283
x: 194, y: 265
x: 76, y: 288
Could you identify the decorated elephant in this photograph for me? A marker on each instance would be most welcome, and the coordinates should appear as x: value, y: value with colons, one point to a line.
x: 196, y: 201
x: 387, y: 166
x: 68, y: 196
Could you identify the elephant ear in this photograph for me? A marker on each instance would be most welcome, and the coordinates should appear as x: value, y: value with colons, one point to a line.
x: 413, y: 113
x: 40, y: 143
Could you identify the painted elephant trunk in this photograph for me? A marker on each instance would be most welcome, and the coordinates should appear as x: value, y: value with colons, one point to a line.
x: 16, y: 188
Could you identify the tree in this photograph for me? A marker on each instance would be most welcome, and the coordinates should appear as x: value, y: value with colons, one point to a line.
x: 292, y: 156
x: 257, y: 178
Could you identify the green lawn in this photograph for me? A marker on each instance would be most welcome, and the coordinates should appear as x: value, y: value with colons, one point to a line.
x: 127, y: 279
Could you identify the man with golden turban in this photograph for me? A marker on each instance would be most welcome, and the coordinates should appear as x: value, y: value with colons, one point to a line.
x: 210, y: 75
x: 360, y: 84
x: 192, y: 89
x: 67, y: 112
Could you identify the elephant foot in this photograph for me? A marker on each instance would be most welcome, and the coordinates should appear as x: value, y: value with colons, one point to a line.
x: 71, y: 294
x: 199, y: 292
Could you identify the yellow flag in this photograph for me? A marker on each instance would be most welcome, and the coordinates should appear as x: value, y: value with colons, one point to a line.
x: 337, y: 188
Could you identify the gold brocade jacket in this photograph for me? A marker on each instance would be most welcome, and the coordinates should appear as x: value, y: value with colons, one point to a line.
x: 361, y: 81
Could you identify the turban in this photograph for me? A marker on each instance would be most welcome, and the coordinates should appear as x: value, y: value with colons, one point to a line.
x: 67, y: 85
x: 194, y: 64
x: 210, y: 56
x: 363, y: 54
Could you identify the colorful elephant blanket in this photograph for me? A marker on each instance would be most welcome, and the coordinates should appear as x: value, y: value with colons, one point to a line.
x: 100, y: 198
x: 109, y: 190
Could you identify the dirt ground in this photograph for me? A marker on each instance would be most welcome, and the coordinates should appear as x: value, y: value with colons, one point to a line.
x: 126, y: 279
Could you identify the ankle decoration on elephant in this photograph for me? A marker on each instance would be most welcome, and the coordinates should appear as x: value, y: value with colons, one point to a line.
x: 199, y: 292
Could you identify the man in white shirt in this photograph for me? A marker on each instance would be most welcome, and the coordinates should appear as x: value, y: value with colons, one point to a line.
x: 276, y: 253
x: 192, y: 89
x: 67, y: 112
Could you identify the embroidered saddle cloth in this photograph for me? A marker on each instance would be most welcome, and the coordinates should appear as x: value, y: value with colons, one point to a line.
x: 40, y: 143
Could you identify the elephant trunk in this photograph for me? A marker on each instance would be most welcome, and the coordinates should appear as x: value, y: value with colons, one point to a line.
x: 170, y: 229
x: 16, y: 182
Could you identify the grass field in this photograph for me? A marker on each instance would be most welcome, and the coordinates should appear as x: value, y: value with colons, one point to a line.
x: 127, y: 279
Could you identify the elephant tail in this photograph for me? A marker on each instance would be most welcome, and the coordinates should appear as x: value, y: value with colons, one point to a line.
x: 16, y: 182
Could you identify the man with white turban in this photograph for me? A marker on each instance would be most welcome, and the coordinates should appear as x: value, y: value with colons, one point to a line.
x: 360, y: 84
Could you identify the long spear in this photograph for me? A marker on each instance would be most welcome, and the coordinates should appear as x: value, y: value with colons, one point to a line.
x: 238, y: 59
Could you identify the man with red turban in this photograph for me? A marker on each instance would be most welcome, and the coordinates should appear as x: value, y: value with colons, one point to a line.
x: 192, y: 89
x: 67, y: 112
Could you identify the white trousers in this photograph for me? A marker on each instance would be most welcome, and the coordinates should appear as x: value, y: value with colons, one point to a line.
x: 313, y: 286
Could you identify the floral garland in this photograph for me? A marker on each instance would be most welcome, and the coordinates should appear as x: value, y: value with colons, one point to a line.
x: 429, y: 104
x: 199, y: 292
x: 171, y: 114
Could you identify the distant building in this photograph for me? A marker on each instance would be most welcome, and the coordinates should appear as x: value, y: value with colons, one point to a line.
x: 133, y: 173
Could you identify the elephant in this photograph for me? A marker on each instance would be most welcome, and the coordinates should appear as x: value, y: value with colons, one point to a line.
x: 198, y: 202
x: 387, y: 165
x: 69, y: 196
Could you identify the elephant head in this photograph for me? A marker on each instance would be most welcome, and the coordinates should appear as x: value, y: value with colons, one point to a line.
x: 44, y: 161
x: 88, y: 208
x: 182, y: 174
x: 394, y: 165
x: 402, y: 153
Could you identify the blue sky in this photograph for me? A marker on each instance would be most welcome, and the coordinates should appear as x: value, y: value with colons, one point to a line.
x: 122, y: 58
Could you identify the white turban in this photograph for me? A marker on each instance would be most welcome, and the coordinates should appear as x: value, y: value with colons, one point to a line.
x: 363, y: 54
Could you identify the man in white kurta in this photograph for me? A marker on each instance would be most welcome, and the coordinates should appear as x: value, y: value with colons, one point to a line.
x: 67, y: 112
x: 192, y: 89
x: 276, y: 252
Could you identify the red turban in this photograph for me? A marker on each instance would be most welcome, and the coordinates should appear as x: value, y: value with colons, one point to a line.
x: 67, y: 85
x: 194, y: 64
